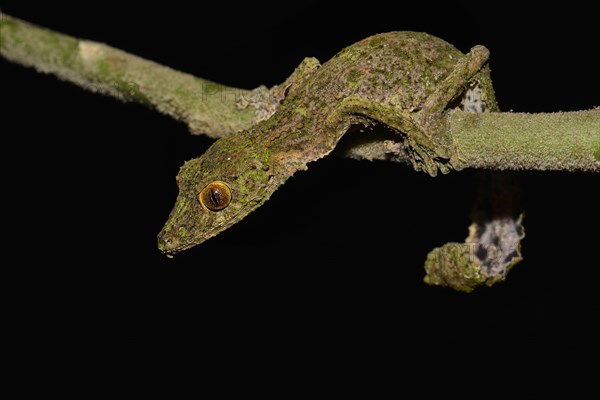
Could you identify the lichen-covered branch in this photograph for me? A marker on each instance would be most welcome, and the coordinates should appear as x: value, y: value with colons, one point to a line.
x: 546, y: 141
x: 556, y: 141
x: 207, y: 107
x: 567, y: 141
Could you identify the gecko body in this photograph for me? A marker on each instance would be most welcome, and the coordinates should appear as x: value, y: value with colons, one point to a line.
x: 404, y: 80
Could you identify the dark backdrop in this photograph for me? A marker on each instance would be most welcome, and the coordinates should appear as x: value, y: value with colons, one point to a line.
x: 320, y: 291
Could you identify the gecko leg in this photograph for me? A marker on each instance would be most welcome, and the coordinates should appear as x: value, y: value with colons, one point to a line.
x: 455, y: 83
x: 306, y: 68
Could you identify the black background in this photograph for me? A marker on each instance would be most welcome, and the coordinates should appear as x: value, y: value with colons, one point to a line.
x: 319, y: 292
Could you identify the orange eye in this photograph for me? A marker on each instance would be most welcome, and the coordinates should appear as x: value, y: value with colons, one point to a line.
x: 215, y: 196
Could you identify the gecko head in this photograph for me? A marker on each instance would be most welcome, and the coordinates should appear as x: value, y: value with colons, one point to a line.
x: 216, y: 190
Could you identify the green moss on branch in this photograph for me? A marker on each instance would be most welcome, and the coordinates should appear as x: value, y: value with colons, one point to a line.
x: 207, y: 107
x: 559, y: 141
x: 547, y: 141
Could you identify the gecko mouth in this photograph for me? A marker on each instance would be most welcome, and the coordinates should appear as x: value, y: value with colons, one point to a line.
x: 165, y: 246
x: 170, y: 244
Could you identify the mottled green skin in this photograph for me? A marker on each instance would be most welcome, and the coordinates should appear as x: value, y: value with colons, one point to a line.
x: 405, y: 80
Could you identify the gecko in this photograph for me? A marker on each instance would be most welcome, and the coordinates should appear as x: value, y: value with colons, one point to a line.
x: 406, y: 81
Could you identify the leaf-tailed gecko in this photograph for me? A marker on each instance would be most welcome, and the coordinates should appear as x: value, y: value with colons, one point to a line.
x: 404, y: 80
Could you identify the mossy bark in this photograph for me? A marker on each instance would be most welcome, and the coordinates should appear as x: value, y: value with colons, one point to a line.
x: 561, y: 141
x: 518, y: 141
x: 207, y: 107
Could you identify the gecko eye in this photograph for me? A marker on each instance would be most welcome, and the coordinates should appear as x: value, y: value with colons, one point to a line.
x: 215, y: 196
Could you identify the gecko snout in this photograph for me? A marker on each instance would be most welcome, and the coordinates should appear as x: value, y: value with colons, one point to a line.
x: 167, y: 244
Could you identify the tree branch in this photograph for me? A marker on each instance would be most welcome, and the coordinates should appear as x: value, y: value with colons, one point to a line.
x: 206, y: 107
x: 547, y: 141
x: 555, y: 141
